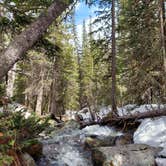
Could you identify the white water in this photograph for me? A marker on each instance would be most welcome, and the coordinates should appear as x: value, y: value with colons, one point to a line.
x: 67, y: 147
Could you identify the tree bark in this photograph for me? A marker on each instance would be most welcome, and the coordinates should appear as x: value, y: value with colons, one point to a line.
x: 56, y: 105
x: 162, y: 29
x: 113, y: 63
x: 40, y: 96
x: 10, y: 82
x: 30, y: 35
x: 163, y: 41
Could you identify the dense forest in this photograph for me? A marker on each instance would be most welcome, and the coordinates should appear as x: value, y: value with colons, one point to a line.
x: 50, y: 68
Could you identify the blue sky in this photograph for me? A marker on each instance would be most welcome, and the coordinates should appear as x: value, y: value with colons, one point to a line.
x: 83, y: 12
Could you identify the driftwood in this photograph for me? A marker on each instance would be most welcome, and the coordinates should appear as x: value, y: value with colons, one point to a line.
x: 121, y: 120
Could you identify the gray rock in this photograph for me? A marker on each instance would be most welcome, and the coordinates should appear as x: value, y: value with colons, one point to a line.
x: 108, y: 140
x: 97, y: 141
x: 126, y: 155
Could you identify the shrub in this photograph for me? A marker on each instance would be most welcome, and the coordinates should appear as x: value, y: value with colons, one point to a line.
x: 17, y: 133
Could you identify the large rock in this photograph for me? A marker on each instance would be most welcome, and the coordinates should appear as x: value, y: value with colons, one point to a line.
x: 126, y: 155
x: 108, y: 140
x: 97, y: 141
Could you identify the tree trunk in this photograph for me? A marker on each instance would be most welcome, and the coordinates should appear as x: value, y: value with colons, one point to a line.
x: 113, y: 63
x: 163, y: 31
x: 40, y: 96
x: 29, y: 36
x: 56, y: 107
x: 10, y: 81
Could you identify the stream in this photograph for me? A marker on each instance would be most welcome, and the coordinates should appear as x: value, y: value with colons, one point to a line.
x: 71, y: 146
x: 66, y: 146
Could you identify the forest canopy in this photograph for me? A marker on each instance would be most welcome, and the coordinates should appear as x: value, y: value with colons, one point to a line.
x: 45, y: 66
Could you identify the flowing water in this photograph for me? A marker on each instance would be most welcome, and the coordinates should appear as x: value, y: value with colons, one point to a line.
x: 66, y: 147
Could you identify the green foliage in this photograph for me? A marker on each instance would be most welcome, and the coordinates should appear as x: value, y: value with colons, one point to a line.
x: 18, y: 132
x: 2, y: 89
x: 82, y: 74
x: 20, y: 86
x: 140, y: 51
x: 5, y: 159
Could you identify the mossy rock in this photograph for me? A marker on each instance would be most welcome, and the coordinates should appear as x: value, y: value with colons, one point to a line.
x: 98, y: 141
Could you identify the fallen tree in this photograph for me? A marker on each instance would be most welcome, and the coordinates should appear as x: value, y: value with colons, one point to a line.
x: 23, y: 42
x: 122, y: 120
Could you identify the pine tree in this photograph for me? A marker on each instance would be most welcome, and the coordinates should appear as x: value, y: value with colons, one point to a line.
x: 87, y: 68
x: 139, y: 50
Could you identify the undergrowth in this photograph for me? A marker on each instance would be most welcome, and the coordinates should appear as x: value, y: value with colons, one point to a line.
x: 17, y: 133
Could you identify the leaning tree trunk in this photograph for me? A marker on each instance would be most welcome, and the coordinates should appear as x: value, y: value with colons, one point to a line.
x: 29, y: 36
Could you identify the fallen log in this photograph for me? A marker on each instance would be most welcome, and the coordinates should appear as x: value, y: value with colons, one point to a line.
x: 136, y: 116
x: 121, y: 120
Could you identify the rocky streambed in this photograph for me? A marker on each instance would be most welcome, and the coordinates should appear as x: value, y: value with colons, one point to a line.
x: 105, y: 146
x: 70, y: 146
x: 65, y: 147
